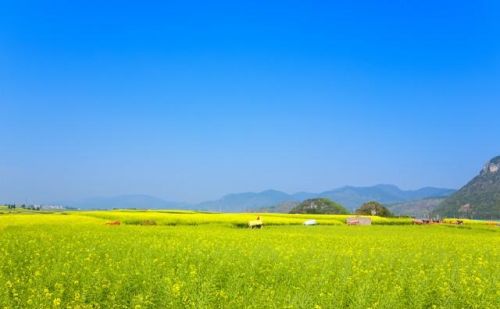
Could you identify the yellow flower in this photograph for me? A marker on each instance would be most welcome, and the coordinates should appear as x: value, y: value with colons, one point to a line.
x: 57, y: 302
x: 176, y: 289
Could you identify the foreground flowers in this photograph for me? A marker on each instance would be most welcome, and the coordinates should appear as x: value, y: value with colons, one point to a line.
x: 76, y: 261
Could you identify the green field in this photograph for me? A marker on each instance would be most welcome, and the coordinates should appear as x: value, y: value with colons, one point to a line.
x: 196, y: 260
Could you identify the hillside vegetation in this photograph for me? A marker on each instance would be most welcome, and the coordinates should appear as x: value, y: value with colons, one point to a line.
x: 480, y: 198
x: 319, y: 206
x: 420, y: 208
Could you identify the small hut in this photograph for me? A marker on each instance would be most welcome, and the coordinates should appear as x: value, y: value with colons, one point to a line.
x: 255, y: 224
x: 358, y: 221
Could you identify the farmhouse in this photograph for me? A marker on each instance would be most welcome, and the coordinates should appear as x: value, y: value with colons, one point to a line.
x: 358, y: 221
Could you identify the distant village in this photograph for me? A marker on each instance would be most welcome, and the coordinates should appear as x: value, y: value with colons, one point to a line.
x: 35, y: 206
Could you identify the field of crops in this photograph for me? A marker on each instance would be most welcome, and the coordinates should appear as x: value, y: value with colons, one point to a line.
x: 233, y: 219
x: 75, y: 260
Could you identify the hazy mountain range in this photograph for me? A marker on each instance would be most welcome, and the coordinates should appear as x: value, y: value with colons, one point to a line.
x: 349, y: 196
x: 480, y: 198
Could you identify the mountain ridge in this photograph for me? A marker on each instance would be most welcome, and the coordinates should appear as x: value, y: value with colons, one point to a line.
x: 479, y: 198
x: 350, y: 197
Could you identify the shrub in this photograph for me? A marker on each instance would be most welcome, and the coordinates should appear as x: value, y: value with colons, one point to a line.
x: 373, y: 208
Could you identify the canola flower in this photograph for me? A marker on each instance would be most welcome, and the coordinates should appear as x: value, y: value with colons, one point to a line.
x: 76, y: 261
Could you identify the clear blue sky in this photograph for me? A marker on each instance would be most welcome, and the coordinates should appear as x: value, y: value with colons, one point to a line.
x: 191, y: 100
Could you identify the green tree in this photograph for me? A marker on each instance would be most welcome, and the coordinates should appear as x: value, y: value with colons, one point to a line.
x: 319, y: 206
x: 373, y: 208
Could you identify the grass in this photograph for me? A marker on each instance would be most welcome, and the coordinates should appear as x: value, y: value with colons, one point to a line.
x: 75, y: 260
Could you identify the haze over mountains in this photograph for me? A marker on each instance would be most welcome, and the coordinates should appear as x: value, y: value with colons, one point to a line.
x: 480, y: 199
x: 349, y: 196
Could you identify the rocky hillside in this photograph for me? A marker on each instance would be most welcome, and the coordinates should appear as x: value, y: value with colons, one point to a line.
x: 479, y: 199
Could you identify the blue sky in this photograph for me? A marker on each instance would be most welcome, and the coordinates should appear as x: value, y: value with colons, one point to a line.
x: 191, y: 100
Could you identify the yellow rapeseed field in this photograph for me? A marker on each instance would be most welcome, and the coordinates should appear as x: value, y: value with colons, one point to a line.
x: 201, y: 260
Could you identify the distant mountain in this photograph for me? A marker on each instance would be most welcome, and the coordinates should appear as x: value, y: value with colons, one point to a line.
x: 284, y: 207
x: 139, y: 201
x: 248, y: 201
x: 268, y: 201
x: 418, y: 208
x: 353, y: 197
x: 479, y: 199
x: 349, y: 197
